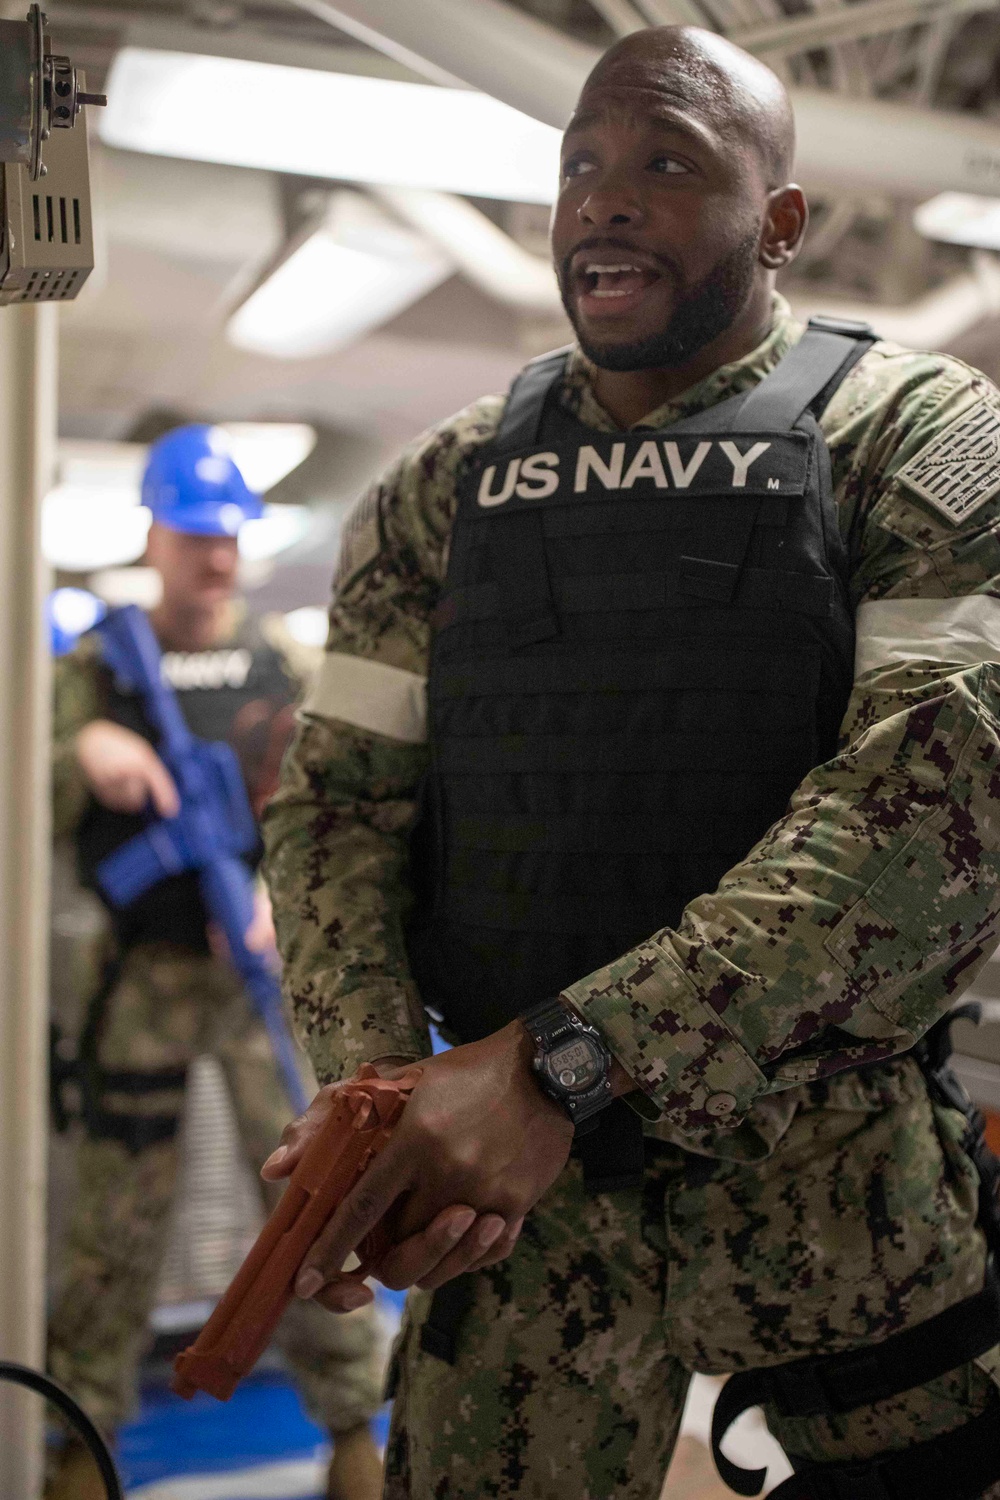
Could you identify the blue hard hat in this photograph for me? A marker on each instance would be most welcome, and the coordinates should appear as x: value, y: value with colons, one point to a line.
x: 192, y: 483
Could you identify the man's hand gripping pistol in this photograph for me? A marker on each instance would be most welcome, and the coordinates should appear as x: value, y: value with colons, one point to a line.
x: 359, y: 1125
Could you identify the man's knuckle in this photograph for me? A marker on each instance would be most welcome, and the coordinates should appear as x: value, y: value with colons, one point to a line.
x: 465, y: 1155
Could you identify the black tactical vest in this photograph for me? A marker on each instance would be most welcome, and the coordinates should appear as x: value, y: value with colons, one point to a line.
x: 239, y: 693
x: 644, y: 643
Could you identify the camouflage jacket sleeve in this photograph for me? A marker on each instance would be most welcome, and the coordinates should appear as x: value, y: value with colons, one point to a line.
x: 858, y: 918
x: 78, y: 699
x: 337, y: 831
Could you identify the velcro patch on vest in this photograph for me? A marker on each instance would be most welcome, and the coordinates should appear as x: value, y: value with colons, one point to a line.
x: 644, y: 466
x: 960, y: 470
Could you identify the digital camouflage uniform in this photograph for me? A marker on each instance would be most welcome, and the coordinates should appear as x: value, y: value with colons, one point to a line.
x: 165, y: 1006
x: 793, y: 1205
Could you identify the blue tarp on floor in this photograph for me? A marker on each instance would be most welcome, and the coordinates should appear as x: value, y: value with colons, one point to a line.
x: 263, y: 1423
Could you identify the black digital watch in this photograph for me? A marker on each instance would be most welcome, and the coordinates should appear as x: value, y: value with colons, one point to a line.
x: 571, y: 1062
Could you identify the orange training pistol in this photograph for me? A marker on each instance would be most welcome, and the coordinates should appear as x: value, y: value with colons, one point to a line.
x: 361, y: 1120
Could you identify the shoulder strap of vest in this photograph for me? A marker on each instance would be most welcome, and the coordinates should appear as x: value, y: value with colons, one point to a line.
x: 523, y: 413
x: 806, y: 377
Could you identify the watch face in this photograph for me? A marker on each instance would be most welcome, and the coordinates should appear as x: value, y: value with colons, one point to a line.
x: 576, y: 1065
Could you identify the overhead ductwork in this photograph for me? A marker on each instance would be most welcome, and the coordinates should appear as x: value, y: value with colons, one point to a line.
x: 844, y: 143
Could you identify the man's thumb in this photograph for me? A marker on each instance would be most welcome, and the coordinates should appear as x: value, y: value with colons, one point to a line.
x: 162, y: 789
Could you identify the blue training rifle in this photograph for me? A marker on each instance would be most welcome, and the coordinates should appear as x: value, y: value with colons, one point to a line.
x: 214, y: 828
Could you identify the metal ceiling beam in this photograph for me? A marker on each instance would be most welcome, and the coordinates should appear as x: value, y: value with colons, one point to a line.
x: 848, y: 23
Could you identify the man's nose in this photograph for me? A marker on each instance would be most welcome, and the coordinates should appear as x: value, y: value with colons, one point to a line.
x: 612, y: 205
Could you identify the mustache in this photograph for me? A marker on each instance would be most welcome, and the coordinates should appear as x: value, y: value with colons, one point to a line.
x: 608, y: 242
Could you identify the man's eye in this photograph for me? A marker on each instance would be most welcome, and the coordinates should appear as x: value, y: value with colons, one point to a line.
x: 576, y: 166
x: 668, y: 165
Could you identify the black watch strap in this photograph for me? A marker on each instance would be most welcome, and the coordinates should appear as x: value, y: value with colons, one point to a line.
x: 545, y: 1020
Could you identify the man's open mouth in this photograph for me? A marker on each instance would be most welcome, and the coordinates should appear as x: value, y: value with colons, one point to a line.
x: 612, y: 281
x: 614, y: 278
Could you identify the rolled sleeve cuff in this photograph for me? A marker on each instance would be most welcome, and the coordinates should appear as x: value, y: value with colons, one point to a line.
x: 690, y: 1067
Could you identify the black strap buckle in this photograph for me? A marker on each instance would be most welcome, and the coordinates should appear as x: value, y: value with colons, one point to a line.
x: 850, y: 328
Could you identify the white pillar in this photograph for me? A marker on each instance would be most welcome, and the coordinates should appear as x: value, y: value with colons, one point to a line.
x: 28, y: 348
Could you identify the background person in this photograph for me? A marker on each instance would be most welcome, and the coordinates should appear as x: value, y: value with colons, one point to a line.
x: 169, y: 993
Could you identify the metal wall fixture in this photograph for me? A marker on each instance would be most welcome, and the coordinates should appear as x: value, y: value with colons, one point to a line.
x: 46, y: 242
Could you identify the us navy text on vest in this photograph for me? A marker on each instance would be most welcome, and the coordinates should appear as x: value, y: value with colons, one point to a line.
x: 751, y: 465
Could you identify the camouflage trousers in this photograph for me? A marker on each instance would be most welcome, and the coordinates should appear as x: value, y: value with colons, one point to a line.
x: 574, y: 1357
x: 165, y: 1008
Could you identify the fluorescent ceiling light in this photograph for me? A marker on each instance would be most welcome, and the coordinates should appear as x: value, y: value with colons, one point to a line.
x: 352, y: 274
x: 333, y: 125
x: 93, y: 518
x: 264, y: 452
x: 279, y: 528
x: 85, y: 528
x: 961, y: 219
x: 118, y: 586
x: 98, y: 465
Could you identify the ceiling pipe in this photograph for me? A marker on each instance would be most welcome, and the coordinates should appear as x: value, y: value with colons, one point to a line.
x: 849, y: 23
x: 844, y: 144
x: 933, y: 321
x: 486, y: 256
x: 488, y: 46
x: 868, y: 145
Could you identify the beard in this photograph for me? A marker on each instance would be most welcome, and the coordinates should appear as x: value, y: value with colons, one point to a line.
x: 701, y: 313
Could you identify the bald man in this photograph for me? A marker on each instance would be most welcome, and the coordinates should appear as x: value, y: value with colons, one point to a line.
x: 656, y: 751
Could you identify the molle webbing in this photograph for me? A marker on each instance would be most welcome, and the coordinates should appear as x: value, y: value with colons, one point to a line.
x: 643, y: 644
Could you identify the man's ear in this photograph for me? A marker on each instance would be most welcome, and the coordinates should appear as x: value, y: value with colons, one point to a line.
x: 784, y: 226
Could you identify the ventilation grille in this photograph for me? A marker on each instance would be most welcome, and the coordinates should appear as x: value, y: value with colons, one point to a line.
x: 56, y: 220
x: 49, y: 286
